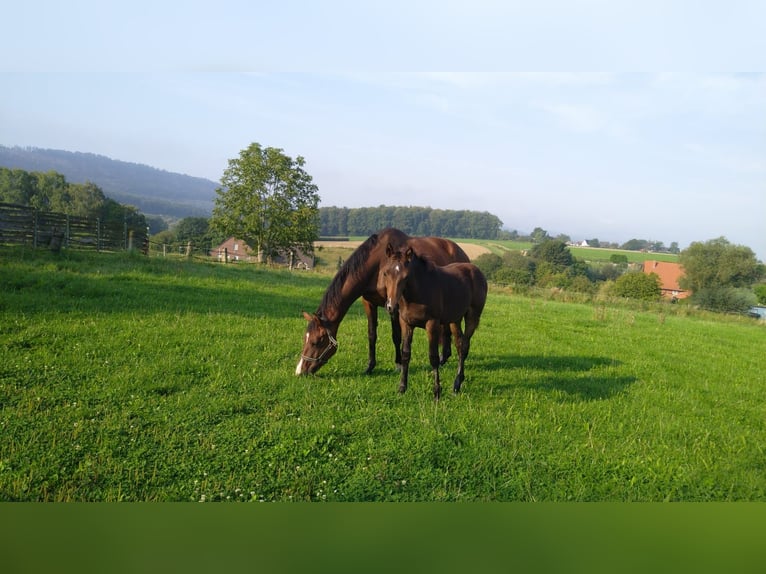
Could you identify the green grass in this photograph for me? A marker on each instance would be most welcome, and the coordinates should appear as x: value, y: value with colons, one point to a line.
x: 598, y: 254
x: 127, y: 378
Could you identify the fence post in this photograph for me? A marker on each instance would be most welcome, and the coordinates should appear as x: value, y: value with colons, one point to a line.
x: 225, y: 254
x: 130, y: 240
x: 189, y: 248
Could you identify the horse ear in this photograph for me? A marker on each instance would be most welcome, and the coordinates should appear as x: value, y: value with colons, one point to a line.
x: 307, y: 316
x: 389, y: 250
x: 409, y: 254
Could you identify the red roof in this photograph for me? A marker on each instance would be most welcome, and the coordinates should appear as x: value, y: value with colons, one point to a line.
x: 669, y: 274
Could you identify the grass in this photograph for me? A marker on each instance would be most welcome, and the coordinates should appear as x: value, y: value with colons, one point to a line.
x: 132, y: 378
x: 599, y: 254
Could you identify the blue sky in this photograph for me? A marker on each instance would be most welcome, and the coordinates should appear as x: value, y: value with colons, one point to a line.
x: 636, y: 152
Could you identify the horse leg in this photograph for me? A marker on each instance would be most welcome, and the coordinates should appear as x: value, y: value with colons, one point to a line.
x: 396, y: 337
x: 434, y: 330
x: 462, y: 344
x: 372, y: 333
x: 446, y: 343
x: 406, y: 353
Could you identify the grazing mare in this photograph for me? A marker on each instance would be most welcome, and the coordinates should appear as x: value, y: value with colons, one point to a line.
x: 358, y: 277
x: 429, y: 296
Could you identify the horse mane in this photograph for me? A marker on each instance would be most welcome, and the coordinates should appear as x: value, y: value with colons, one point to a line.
x: 353, y: 268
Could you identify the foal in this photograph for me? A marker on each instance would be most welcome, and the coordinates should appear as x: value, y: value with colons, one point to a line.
x: 429, y: 296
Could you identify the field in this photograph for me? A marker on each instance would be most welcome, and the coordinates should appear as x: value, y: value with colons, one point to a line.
x: 147, y: 379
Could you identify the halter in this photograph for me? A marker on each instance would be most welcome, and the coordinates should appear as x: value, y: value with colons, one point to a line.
x: 333, y: 343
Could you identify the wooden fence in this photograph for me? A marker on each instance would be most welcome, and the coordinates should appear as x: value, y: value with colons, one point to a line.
x: 28, y: 226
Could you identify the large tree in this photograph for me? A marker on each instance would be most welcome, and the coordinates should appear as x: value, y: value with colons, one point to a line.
x: 719, y: 274
x: 718, y: 263
x: 267, y: 199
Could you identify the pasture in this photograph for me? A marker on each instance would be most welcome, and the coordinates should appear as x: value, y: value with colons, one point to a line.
x: 146, y: 379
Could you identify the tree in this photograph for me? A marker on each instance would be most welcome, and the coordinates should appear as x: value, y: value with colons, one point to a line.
x: 539, y: 235
x: 194, y: 229
x: 719, y: 274
x: 553, y: 251
x: 267, y: 199
x: 718, y: 263
x: 85, y: 199
x: 635, y: 245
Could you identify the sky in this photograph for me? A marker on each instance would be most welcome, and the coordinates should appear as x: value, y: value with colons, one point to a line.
x: 668, y: 145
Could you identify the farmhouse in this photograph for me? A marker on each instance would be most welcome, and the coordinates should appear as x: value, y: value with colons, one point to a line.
x: 669, y: 274
x: 234, y: 249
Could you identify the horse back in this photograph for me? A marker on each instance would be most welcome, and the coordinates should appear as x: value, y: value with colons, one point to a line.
x: 470, y: 279
x: 438, y: 250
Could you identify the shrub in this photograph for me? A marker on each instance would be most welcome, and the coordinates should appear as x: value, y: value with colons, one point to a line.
x: 511, y: 276
x: 618, y: 258
x: 638, y: 285
x: 724, y: 299
x: 488, y: 263
x: 760, y: 293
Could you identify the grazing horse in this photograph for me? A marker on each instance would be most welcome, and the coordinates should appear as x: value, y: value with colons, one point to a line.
x: 358, y: 277
x: 429, y: 296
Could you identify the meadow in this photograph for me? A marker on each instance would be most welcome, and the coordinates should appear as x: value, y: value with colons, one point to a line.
x: 127, y: 378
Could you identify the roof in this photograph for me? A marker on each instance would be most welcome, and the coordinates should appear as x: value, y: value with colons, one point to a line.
x: 669, y: 273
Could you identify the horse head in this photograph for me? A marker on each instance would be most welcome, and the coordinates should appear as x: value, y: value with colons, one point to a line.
x: 319, y: 345
x: 394, y: 275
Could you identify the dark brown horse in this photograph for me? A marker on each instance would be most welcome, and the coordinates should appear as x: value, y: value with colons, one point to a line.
x: 429, y: 296
x: 358, y: 277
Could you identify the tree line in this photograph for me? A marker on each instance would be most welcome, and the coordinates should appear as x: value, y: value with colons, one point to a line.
x: 51, y: 192
x: 344, y: 221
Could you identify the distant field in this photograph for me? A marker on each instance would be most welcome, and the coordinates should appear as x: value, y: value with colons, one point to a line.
x: 476, y: 247
x: 473, y: 250
x: 597, y: 254
x: 130, y: 378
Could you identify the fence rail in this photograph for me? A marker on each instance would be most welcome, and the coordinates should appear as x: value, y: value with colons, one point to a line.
x: 26, y: 225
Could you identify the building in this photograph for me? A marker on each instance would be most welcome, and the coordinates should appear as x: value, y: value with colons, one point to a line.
x: 669, y: 274
x: 234, y: 249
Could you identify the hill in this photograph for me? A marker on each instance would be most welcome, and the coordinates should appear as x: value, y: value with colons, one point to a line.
x: 153, y: 191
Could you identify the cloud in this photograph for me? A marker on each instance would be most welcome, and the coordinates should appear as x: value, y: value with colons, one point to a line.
x: 580, y: 119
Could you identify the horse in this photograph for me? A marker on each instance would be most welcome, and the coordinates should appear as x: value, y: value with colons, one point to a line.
x: 359, y: 277
x: 429, y: 296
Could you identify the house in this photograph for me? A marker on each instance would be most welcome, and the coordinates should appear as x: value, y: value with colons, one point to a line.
x: 234, y: 249
x: 669, y: 274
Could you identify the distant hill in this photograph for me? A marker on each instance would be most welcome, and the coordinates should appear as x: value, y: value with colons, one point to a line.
x: 153, y: 191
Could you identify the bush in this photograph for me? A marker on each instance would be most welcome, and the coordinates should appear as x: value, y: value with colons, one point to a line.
x: 724, y: 299
x: 760, y: 293
x: 618, y: 258
x: 511, y: 276
x: 488, y: 263
x: 638, y: 285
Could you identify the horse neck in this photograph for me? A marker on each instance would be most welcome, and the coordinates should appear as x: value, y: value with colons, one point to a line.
x: 340, y: 295
x: 419, y: 272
